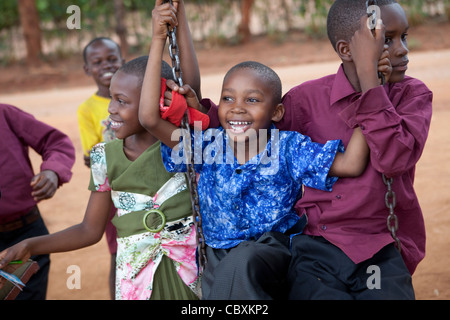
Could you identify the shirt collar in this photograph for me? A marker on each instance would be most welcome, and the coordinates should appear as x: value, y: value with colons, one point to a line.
x: 342, y: 88
x: 266, y: 155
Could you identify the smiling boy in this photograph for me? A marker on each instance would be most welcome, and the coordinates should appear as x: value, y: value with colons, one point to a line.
x: 246, y: 207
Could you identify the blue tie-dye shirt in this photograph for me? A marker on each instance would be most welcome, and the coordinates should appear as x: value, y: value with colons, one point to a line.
x: 241, y: 202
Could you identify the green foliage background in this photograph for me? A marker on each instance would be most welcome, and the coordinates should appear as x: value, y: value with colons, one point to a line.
x: 98, y: 18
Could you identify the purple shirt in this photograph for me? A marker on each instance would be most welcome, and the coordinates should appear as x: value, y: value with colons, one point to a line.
x: 19, y: 131
x: 395, y: 120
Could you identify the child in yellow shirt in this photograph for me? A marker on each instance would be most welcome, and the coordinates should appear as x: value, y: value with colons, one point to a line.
x: 102, y: 58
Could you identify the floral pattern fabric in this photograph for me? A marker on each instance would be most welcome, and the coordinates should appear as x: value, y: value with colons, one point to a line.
x: 139, y: 255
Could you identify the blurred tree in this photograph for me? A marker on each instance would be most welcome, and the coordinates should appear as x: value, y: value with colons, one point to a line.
x: 121, y: 29
x: 244, y: 26
x: 30, y: 22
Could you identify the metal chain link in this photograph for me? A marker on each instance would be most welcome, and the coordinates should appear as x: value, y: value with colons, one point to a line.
x: 390, y: 198
x: 392, y: 220
x: 174, y: 52
x: 191, y: 175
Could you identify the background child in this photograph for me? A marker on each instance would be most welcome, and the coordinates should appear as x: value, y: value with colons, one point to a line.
x: 346, y: 231
x: 246, y: 203
x: 151, y: 265
x: 21, y: 189
x: 102, y: 58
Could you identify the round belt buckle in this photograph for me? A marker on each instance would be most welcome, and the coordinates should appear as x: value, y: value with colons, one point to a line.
x: 161, y: 225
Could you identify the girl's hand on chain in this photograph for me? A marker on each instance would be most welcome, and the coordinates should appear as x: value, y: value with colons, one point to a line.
x: 164, y: 14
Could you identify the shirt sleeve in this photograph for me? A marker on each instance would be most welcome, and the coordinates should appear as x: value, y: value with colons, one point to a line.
x: 55, y: 147
x: 174, y: 159
x: 396, y: 126
x: 88, y: 131
x: 213, y: 112
x: 311, y: 162
x: 99, y: 175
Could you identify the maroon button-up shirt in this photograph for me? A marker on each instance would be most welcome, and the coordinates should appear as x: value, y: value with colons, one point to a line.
x: 19, y: 131
x: 395, y: 120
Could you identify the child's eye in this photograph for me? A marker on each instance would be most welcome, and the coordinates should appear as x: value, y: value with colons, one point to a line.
x: 252, y: 100
x: 227, y: 99
x: 404, y: 37
x: 387, y: 41
x: 120, y: 101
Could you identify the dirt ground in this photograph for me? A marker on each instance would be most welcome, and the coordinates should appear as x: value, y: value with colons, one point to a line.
x: 53, y: 94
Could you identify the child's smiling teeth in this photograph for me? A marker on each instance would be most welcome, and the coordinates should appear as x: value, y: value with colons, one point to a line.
x: 239, y: 126
x: 115, y: 124
x: 108, y: 75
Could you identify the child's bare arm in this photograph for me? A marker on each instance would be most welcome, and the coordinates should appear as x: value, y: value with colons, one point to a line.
x: 149, y: 111
x: 188, y: 57
x: 353, y: 162
x: 86, y: 233
x: 189, y: 62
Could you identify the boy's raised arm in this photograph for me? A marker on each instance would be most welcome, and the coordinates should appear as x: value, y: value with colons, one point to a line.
x: 366, y: 50
x: 149, y: 111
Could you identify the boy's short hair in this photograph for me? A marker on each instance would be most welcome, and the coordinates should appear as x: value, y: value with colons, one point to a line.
x: 94, y: 41
x: 138, y: 66
x: 344, y: 18
x: 266, y: 73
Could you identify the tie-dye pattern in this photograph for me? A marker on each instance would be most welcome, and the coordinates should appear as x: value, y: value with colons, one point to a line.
x: 241, y: 202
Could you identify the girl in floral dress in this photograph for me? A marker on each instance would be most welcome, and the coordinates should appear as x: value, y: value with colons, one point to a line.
x: 156, y: 234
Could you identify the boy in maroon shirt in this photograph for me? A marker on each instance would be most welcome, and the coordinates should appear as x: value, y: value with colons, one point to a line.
x: 347, y: 251
x: 21, y: 189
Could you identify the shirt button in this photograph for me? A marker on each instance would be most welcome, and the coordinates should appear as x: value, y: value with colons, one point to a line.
x: 339, y: 197
x: 323, y: 227
x: 238, y: 171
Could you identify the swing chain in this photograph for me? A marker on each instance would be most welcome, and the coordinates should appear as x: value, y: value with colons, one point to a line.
x: 191, y: 175
x: 392, y: 220
x: 174, y: 52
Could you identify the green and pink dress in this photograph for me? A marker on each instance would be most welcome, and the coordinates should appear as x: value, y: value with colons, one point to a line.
x: 150, y: 264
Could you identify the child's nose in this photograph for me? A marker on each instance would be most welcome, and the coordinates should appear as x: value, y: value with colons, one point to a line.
x: 106, y: 64
x: 238, y: 107
x: 402, y: 50
x: 111, y: 107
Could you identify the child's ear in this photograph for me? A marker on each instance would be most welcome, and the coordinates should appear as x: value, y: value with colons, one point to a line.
x: 86, y: 70
x: 343, y: 50
x: 278, y: 113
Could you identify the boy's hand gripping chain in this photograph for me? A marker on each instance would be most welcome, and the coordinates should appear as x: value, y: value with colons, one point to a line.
x: 373, y: 13
x: 174, y: 53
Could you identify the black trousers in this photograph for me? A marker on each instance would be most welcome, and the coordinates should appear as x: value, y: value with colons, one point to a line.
x: 36, y: 288
x: 254, y: 270
x: 321, y: 271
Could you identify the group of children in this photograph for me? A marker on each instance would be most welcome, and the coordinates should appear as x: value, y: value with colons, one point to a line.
x: 283, y: 217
